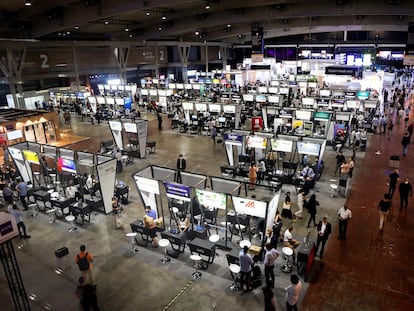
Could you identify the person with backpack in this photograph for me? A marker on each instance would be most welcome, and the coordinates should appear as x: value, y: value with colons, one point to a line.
x: 84, y: 261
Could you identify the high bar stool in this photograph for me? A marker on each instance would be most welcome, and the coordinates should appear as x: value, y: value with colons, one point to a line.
x: 33, y: 206
x: 37, y: 177
x: 196, y: 260
x: 235, y: 269
x: 287, y: 267
x: 214, y: 238
x: 53, y: 178
x: 134, y: 248
x: 164, y: 243
x: 71, y: 219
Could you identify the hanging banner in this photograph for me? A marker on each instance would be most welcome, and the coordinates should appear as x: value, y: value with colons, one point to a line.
x: 409, y: 48
x: 106, y: 174
x: 257, y: 44
x: 233, y: 139
x: 142, y: 137
x: 249, y: 207
x: 257, y: 124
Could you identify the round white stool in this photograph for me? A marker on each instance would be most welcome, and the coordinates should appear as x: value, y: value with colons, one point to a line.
x: 37, y: 177
x: 71, y: 219
x: 234, y: 269
x: 132, y: 236
x: 124, y: 159
x: 175, y: 210
x: 214, y: 238
x: 164, y: 243
x: 334, y: 189
x: 287, y: 267
x: 33, y: 207
x: 196, y: 259
x: 52, y: 177
x: 244, y: 243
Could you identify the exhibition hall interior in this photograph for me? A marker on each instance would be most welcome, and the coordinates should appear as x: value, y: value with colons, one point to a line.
x: 209, y: 155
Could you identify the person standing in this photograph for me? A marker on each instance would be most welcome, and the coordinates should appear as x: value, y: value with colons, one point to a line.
x: 384, y: 207
x: 213, y: 133
x: 181, y: 166
x: 150, y: 212
x: 252, y: 175
x: 301, y: 199
x: 21, y: 188
x: 292, y: 293
x: 269, y: 264
x: 117, y: 212
x: 340, y: 159
x: 246, y: 264
x: 312, y: 204
x: 289, y: 241
x: 351, y: 164
x: 6, y: 156
x: 17, y: 214
x: 324, y: 230
x: 405, y: 142
x: 344, y: 215
x: 87, y: 295
x: 405, y: 190
x: 392, y: 181
x: 159, y: 118
x: 84, y: 261
x: 269, y: 298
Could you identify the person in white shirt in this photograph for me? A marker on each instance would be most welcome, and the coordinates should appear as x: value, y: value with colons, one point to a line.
x: 288, y: 241
x: 71, y: 190
x: 301, y: 199
x: 269, y: 263
x: 308, y: 172
x: 293, y: 292
x: 344, y: 215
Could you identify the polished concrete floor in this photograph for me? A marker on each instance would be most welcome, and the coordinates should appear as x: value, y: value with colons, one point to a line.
x: 366, y: 272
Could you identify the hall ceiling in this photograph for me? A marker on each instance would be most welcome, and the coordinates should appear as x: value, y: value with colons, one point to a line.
x: 190, y: 20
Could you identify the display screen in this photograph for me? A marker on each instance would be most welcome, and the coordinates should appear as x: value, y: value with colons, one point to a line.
x: 222, y: 119
x: 11, y: 135
x: 308, y: 148
x: 256, y: 142
x: 325, y: 93
x: 248, y: 97
x: 229, y: 109
x: 211, y: 199
x: 31, y: 156
x: 66, y: 165
x: 130, y: 127
x: 303, y: 114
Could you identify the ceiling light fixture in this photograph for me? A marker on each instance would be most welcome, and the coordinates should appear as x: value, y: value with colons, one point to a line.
x: 164, y: 17
x: 28, y: 3
x: 126, y: 28
x: 148, y: 13
x: 228, y: 25
x: 76, y: 27
x: 197, y: 33
x: 207, y: 5
x: 106, y: 22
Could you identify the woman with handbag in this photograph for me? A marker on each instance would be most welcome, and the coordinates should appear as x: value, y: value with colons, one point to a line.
x: 286, y: 210
x: 312, y: 204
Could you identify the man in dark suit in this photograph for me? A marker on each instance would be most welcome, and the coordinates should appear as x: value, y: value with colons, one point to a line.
x: 181, y: 165
x: 324, y: 230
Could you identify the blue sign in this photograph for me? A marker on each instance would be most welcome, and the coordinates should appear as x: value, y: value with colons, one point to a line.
x: 233, y: 139
x: 127, y: 103
x: 178, y: 191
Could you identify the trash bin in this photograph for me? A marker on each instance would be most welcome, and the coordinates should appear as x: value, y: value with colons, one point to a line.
x: 394, y: 161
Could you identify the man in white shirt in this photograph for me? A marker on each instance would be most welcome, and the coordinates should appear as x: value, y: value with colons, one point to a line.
x: 344, y: 215
x: 292, y: 293
x: 288, y: 241
x: 269, y: 263
x: 71, y: 190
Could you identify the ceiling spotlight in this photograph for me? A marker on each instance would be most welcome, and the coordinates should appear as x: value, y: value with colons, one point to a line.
x: 228, y: 25
x: 68, y: 32
x: 160, y: 28
x: 148, y: 13
x: 197, y: 33
x: 106, y: 22
x: 130, y: 35
x: 164, y: 17
x: 207, y: 5
x: 28, y: 3
x: 76, y: 27
x: 126, y: 28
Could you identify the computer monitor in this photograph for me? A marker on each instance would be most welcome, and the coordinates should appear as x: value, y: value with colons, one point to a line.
x: 222, y: 119
x: 193, y: 117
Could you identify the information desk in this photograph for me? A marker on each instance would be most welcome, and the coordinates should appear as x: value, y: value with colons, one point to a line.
x: 177, y: 240
x: 62, y: 206
x: 96, y: 204
x: 306, y: 255
x: 138, y: 227
x: 81, y: 211
x: 203, y: 248
x: 42, y: 196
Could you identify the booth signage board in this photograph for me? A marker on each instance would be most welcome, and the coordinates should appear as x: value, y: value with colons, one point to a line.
x: 66, y: 165
x: 353, y: 104
x: 214, y: 108
x: 16, y: 153
x: 115, y: 125
x: 8, y: 227
x: 261, y: 98
x: 130, y: 127
x: 273, y: 99
x: 201, y: 107
x: 229, y: 109
x: 308, y: 148
x: 248, y: 97
x: 363, y: 94
x: 233, y: 139
x: 147, y: 184
x: 106, y: 173
x: 211, y: 199
x: 178, y: 191
x: 257, y: 123
x: 281, y: 145
x: 273, y: 90
x: 370, y: 104
x: 142, y: 137
x: 144, y: 92
x: 16, y: 134
x: 31, y: 156
x: 308, y: 101
x: 249, y: 207
x: 303, y: 114
x: 188, y: 106
x: 256, y: 142
x: 321, y: 116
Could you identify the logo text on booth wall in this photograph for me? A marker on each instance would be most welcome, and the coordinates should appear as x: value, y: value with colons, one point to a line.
x: 250, y: 204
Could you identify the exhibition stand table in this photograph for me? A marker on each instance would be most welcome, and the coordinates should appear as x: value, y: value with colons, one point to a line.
x: 177, y: 240
x: 306, y: 256
x: 62, y: 205
x: 138, y: 227
x: 96, y: 204
x: 203, y: 248
x: 81, y: 211
x: 41, y: 196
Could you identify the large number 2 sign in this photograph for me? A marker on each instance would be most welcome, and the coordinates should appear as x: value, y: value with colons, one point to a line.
x: 161, y: 55
x: 44, y: 59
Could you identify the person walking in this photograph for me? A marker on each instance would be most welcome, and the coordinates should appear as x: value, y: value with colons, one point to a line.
x: 269, y: 263
x: 384, y: 207
x: 18, y: 214
x: 84, y: 261
x: 292, y: 293
x: 344, y: 215
x: 392, y: 181
x: 21, y: 188
x: 312, y: 204
x: 405, y: 142
x: 117, y: 212
x: 252, y: 175
x: 213, y: 133
x: 181, y: 166
x: 269, y: 298
x: 87, y: 295
x: 301, y: 199
x: 159, y: 118
x: 405, y: 191
x: 246, y: 264
x: 324, y: 230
